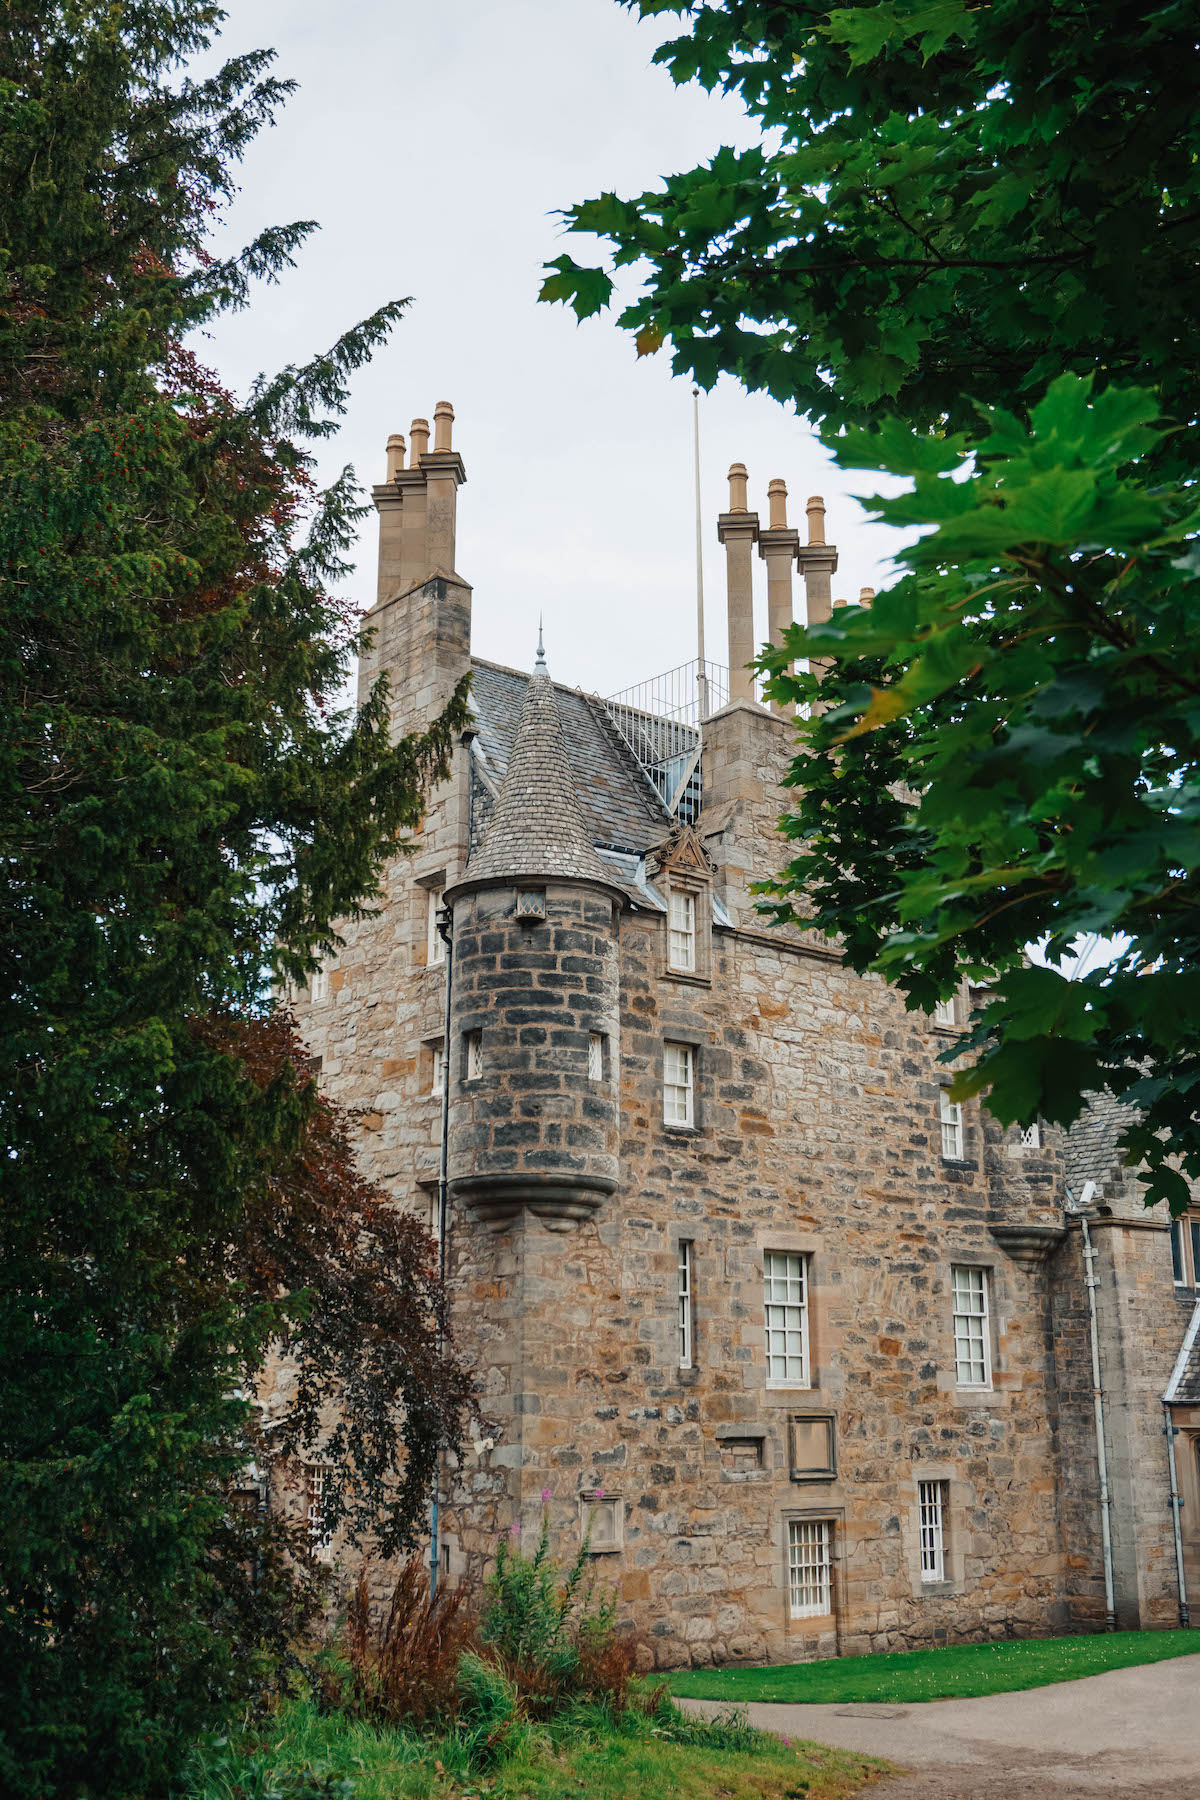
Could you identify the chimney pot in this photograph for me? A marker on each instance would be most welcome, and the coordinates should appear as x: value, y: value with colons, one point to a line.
x: 418, y: 431
x: 816, y: 519
x: 443, y: 421
x: 738, y: 479
x: 865, y: 596
x: 777, y: 504
x: 395, y: 454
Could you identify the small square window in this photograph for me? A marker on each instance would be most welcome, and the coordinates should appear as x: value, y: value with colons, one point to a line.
x: 813, y: 1447
x: 678, y: 1084
x: 531, y: 905
x: 472, y: 1055
x: 602, y: 1522
x: 596, y: 1056
x: 681, y: 951
x: 950, y: 1114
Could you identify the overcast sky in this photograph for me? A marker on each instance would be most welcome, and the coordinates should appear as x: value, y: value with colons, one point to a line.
x: 434, y: 144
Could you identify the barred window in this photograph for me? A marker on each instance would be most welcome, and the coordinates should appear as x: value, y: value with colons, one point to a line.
x: 472, y: 1055
x: 785, y: 1308
x: 682, y: 927
x: 950, y: 1113
x: 931, y: 1507
x: 320, y: 1539
x: 678, y: 1084
x: 685, y: 1304
x: 810, y: 1592
x: 972, y: 1350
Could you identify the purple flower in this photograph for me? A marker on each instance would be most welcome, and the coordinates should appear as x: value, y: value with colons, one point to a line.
x: 514, y: 1529
x: 597, y: 1493
x: 788, y: 1742
x: 545, y: 1496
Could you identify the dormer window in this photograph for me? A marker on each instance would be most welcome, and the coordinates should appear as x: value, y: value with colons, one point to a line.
x: 681, y: 926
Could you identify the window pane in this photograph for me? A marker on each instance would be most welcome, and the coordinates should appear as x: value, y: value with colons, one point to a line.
x: 595, y: 1056
x: 785, y: 1313
x: 682, y: 930
x: 1178, y: 1270
x: 474, y: 1058
x: 685, y: 1305
x: 1195, y: 1236
x: 435, y: 949
x: 970, y: 1321
x: 809, y: 1592
x: 950, y: 1113
x: 677, y: 1084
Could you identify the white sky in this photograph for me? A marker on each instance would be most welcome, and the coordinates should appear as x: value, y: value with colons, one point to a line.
x: 433, y: 143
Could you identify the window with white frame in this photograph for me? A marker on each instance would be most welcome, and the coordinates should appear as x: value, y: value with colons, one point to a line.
x: 972, y: 1347
x: 595, y: 1056
x: 320, y: 1539
x: 785, y: 1315
x: 678, y: 1084
x: 810, y: 1588
x: 931, y: 1510
x: 681, y: 953
x: 437, y: 1061
x: 945, y: 1012
x: 685, y: 1303
x: 950, y: 1114
x: 1031, y: 1136
x: 435, y: 944
x: 472, y: 1055
x: 319, y: 986
x: 1185, y: 1252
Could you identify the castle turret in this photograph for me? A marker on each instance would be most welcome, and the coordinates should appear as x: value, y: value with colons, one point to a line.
x: 534, y: 1007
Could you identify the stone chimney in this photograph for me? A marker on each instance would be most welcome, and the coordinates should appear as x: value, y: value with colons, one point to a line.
x: 738, y: 531
x: 421, y: 619
x: 778, y: 546
x: 817, y: 562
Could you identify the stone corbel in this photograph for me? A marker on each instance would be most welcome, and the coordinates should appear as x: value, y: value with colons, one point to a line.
x: 1028, y: 1244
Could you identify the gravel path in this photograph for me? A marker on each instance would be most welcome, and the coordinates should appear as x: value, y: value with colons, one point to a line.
x: 1132, y: 1732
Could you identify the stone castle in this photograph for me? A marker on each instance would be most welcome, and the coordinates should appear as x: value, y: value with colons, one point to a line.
x: 805, y: 1347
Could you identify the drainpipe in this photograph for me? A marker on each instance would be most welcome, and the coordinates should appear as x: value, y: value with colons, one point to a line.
x: 1169, y: 1432
x: 445, y: 926
x: 1091, y: 1282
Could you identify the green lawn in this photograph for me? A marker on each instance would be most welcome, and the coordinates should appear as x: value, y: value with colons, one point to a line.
x: 299, y: 1754
x: 958, y: 1671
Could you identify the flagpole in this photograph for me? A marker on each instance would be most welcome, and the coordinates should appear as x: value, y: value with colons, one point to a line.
x: 701, y: 666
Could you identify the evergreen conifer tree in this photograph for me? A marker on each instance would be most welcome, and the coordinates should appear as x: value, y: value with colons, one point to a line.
x: 185, y: 816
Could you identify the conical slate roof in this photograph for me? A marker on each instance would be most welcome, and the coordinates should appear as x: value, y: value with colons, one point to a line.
x: 537, y: 826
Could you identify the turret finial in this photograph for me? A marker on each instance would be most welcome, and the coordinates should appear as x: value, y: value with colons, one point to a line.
x: 539, y: 667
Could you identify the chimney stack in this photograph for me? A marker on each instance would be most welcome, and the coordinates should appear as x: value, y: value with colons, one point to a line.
x: 778, y: 546
x: 737, y: 529
x: 866, y: 596
x: 817, y: 561
x: 417, y: 505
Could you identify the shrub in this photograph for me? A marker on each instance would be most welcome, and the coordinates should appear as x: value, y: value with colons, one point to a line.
x: 407, y: 1668
x: 555, y: 1634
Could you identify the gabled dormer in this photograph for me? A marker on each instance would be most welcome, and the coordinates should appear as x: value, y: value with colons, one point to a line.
x: 682, y: 872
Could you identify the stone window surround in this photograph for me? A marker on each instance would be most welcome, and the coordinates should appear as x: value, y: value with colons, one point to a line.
x: 587, y: 1505
x: 434, y: 885
x: 432, y: 1049
x: 689, y: 881
x: 815, y: 1622
x: 826, y: 1415
x: 942, y: 1099
x: 959, y: 1497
